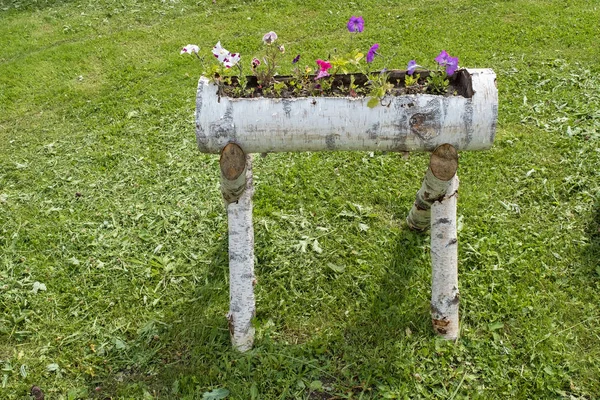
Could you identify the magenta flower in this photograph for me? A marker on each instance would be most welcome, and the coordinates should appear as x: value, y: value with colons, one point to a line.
x: 412, y: 65
x: 356, y: 24
x: 255, y: 62
x: 296, y: 59
x: 323, y: 67
x: 446, y: 60
x: 372, y: 52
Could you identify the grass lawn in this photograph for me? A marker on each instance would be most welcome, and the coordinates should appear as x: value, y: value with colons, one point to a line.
x: 113, y: 248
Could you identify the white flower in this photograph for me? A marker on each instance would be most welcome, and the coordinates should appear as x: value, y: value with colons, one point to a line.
x: 189, y: 49
x: 220, y: 52
x: 269, y: 37
x: 228, y: 59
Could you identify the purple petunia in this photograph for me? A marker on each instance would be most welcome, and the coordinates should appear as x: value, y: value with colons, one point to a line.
x: 296, y: 59
x: 412, y: 65
x: 446, y: 60
x: 372, y: 52
x: 356, y: 24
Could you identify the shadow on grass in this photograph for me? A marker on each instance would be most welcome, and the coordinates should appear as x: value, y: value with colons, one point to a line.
x: 592, y: 253
x: 401, y: 307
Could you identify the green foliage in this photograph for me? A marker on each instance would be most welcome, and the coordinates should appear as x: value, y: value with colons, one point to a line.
x: 106, y: 203
x: 437, y: 83
x: 379, y: 87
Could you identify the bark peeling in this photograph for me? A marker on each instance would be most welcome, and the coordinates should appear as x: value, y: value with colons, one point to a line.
x: 443, y: 165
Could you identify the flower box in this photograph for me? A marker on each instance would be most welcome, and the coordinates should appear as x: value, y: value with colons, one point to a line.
x: 406, y: 122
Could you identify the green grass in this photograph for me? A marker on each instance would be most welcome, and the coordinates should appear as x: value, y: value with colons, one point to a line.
x: 106, y: 203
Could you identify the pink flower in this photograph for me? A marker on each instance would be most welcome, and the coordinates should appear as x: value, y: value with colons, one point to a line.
x: 323, y: 67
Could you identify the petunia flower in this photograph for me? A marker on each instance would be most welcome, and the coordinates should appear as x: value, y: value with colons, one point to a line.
x: 356, y: 24
x: 451, y: 65
x: 255, y: 62
x: 296, y: 59
x: 323, y: 67
x: 441, y: 58
x: 372, y: 52
x: 228, y: 59
x: 270, y: 37
x: 219, y: 52
x: 446, y: 60
x: 412, y: 65
x: 232, y: 60
x: 189, y: 49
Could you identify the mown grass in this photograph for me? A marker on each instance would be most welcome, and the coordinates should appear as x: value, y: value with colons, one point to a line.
x: 113, y: 277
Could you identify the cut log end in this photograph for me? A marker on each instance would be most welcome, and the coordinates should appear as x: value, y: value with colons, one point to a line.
x: 232, y: 161
x: 444, y: 162
x: 233, y: 172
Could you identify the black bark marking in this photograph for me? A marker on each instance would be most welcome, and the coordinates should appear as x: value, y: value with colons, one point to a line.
x: 373, y: 131
x: 330, y: 141
x: 441, y: 221
x: 224, y: 128
x: 455, y: 300
x: 287, y: 108
x: 452, y: 242
x: 400, y: 124
x: 422, y: 205
x: 468, y: 121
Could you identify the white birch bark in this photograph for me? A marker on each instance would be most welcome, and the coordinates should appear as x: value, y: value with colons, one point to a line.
x: 241, y: 266
x: 444, y: 262
x: 438, y: 178
x: 416, y: 122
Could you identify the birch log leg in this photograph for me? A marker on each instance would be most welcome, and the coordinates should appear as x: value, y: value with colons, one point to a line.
x: 444, y: 262
x: 442, y: 167
x: 241, y: 246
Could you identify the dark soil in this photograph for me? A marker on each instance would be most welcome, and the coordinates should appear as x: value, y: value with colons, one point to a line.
x: 460, y: 85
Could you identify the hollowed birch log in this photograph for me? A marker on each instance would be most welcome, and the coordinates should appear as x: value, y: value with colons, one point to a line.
x: 233, y: 172
x: 442, y: 168
x: 414, y: 122
x: 444, y: 263
x: 241, y: 266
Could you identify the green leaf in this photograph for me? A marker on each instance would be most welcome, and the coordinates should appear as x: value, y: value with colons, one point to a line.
x: 316, y: 385
x: 336, y: 268
x: 373, y: 102
x: 254, y: 391
x: 216, y: 394
x: 495, y: 326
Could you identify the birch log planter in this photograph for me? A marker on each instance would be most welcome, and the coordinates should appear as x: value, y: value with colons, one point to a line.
x: 417, y: 122
x: 237, y: 127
